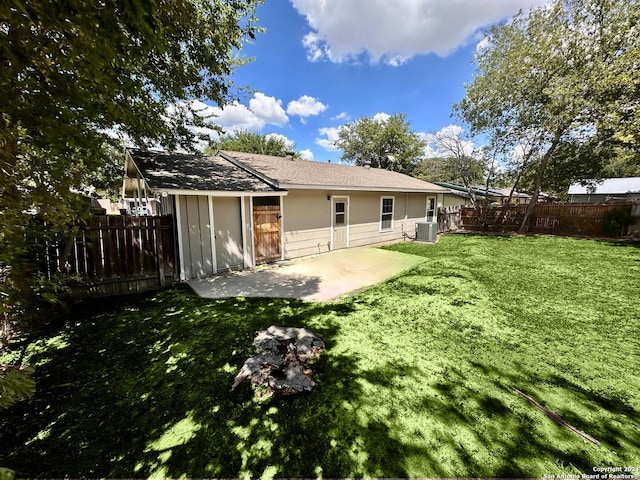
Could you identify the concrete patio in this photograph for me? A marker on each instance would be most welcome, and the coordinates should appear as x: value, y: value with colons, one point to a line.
x: 315, y: 279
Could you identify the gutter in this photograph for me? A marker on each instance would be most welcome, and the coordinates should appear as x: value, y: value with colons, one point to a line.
x: 293, y: 186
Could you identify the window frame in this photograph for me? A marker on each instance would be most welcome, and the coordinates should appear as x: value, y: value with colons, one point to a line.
x: 383, y: 213
x: 336, y: 213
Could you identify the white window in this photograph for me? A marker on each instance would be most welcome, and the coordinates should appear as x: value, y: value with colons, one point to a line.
x: 386, y: 213
x: 431, y: 209
x: 340, y: 213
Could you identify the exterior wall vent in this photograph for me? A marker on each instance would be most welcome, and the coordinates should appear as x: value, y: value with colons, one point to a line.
x: 427, y: 232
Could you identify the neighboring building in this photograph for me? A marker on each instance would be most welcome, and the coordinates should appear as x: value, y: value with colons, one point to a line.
x: 236, y: 210
x: 610, y: 190
x: 492, y: 195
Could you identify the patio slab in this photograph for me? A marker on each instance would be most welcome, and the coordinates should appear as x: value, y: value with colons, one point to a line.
x: 315, y: 279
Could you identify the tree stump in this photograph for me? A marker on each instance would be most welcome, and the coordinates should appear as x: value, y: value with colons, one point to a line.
x: 281, y: 364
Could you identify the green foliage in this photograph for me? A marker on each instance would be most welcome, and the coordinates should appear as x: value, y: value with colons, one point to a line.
x: 436, y: 169
x: 72, y: 73
x: 386, y: 143
x: 624, y: 163
x: 561, y: 85
x: 16, y: 383
x: 250, y: 142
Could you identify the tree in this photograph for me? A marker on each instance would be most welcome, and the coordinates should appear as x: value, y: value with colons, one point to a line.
x: 72, y: 73
x: 387, y: 143
x: 436, y: 169
x: 564, y: 79
x: 459, y: 159
x: 251, y: 142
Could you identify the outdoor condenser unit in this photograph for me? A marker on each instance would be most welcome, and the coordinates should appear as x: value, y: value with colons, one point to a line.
x: 426, y: 232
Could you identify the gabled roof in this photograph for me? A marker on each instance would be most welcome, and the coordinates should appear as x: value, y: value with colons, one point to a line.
x: 287, y: 173
x: 609, y: 186
x: 164, y: 171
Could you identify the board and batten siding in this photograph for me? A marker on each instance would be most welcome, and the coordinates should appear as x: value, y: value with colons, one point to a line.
x: 228, y: 230
x: 195, y: 234
x: 307, y: 219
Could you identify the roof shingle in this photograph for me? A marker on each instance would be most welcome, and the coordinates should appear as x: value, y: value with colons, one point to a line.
x: 164, y: 171
x: 289, y: 173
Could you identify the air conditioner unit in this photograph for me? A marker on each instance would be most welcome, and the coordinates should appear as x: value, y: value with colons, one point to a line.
x: 427, y: 232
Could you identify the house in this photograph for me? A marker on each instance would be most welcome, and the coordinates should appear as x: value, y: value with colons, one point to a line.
x: 492, y: 194
x: 237, y: 210
x: 610, y: 190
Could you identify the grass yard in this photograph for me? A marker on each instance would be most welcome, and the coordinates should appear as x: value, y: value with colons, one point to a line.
x: 418, y: 379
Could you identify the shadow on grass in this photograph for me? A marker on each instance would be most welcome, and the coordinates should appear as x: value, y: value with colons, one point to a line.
x: 582, y: 408
x: 142, y: 388
x: 621, y: 242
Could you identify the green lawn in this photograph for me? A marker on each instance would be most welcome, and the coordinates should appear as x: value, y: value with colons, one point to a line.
x: 418, y: 379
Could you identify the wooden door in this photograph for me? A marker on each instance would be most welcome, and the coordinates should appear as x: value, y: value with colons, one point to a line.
x: 266, y: 233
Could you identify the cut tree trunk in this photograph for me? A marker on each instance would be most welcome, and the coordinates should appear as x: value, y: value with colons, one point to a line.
x: 281, y: 364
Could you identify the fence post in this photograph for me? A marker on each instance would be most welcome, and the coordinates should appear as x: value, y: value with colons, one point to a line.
x: 159, y: 250
x: 634, y: 224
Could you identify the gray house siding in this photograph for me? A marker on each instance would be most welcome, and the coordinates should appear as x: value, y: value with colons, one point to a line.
x: 307, y: 217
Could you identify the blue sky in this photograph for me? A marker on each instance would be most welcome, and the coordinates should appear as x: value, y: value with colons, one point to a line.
x: 323, y: 63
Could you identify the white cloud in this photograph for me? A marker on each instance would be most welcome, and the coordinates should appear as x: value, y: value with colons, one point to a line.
x: 381, y: 117
x: 342, y: 116
x: 305, y: 106
x: 394, y: 31
x: 234, y: 116
x: 289, y: 144
x: 262, y: 110
x: 446, y: 142
x: 331, y: 135
x: 306, y: 154
x: 482, y: 44
x: 268, y: 109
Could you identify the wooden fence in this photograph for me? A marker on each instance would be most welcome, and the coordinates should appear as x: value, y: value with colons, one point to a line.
x: 113, y: 255
x: 449, y: 219
x: 554, y: 219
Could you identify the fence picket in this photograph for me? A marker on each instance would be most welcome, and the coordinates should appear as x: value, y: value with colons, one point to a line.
x: 554, y: 219
x: 114, y: 255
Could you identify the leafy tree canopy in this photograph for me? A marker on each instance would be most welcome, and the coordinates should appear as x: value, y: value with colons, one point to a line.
x: 251, y: 142
x: 564, y: 81
x: 387, y: 143
x: 72, y: 74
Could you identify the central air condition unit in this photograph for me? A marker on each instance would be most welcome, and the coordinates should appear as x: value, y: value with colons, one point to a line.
x: 427, y: 232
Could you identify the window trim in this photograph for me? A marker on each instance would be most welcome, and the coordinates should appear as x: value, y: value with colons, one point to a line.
x: 392, y: 213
